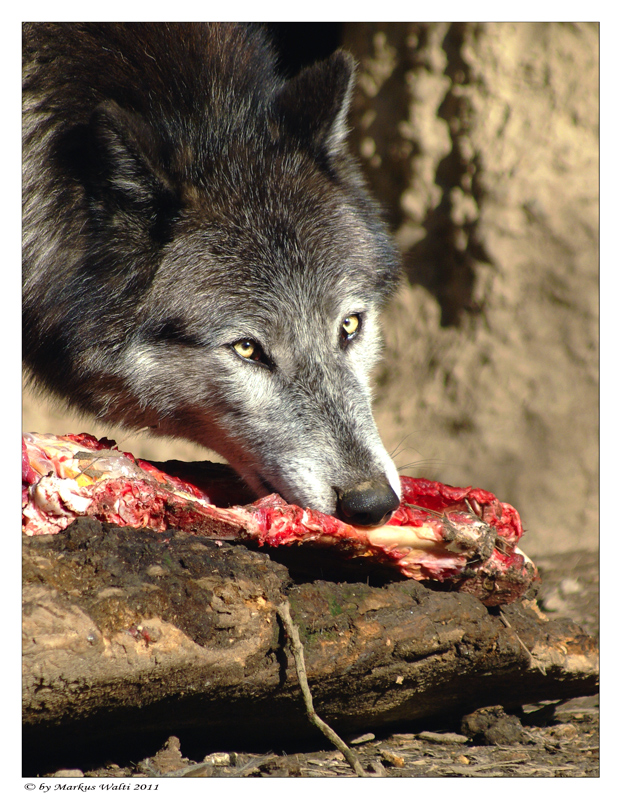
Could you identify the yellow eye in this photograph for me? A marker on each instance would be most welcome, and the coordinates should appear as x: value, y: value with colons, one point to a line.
x: 246, y: 348
x: 350, y: 325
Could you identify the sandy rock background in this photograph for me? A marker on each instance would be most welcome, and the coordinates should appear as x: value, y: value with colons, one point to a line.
x: 490, y: 164
x: 481, y: 142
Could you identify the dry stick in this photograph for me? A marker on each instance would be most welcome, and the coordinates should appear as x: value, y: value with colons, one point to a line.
x: 532, y: 661
x: 299, y: 660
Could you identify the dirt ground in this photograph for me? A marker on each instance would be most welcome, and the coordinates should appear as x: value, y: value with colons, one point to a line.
x: 551, y: 739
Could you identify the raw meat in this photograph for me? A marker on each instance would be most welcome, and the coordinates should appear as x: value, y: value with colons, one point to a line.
x: 462, y: 537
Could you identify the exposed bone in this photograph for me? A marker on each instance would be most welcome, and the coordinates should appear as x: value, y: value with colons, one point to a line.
x: 434, y: 534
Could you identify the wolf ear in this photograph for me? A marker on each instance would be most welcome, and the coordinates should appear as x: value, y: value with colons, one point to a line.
x: 122, y: 170
x: 315, y: 103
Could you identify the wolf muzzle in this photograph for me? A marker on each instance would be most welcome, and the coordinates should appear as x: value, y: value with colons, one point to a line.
x: 369, y: 503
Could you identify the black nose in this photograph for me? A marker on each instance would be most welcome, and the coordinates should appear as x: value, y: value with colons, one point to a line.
x: 368, y: 503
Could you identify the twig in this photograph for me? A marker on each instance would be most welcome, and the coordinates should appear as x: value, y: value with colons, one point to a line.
x: 299, y: 660
x: 532, y: 660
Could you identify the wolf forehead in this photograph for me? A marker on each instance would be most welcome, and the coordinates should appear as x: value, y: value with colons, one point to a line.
x: 283, y: 208
x: 291, y: 239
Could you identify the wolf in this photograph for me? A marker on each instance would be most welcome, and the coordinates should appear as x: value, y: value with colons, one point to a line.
x: 201, y: 255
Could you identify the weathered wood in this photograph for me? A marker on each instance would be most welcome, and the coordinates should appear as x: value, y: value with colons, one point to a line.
x: 129, y: 631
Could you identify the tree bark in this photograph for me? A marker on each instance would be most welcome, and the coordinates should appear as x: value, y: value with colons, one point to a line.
x: 127, y: 632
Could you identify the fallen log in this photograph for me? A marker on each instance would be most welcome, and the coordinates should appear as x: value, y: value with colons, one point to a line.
x: 128, y: 632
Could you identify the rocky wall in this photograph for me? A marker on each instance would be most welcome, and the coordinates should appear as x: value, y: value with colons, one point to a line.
x: 482, y: 142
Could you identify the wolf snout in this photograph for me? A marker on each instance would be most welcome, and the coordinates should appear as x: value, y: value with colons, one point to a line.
x: 369, y: 503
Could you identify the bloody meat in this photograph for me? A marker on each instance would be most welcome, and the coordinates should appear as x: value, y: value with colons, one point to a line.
x: 463, y: 538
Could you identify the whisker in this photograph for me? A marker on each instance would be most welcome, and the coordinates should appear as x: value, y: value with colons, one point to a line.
x: 398, y: 447
x: 424, y: 462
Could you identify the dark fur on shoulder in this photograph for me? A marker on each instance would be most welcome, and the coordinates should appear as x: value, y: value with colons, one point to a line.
x: 200, y: 253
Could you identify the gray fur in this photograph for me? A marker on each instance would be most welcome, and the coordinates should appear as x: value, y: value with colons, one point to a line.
x: 180, y: 197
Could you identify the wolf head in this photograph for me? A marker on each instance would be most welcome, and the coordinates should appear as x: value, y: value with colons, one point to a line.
x: 240, y: 267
